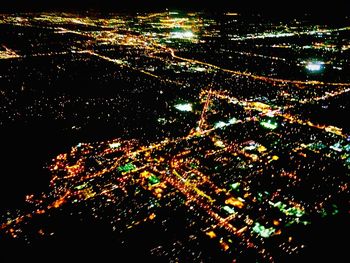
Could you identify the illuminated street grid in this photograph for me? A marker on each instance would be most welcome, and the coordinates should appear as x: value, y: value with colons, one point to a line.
x: 247, y: 167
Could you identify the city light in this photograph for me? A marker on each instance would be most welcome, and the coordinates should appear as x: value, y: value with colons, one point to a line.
x: 184, y: 107
x: 114, y: 145
x: 314, y: 66
x: 269, y: 124
x: 182, y: 35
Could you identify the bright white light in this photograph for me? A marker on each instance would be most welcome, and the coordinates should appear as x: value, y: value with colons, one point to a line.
x: 188, y: 34
x: 200, y: 69
x: 232, y: 121
x: 184, y: 107
x: 114, y: 145
x: 314, y: 66
x: 182, y: 35
x: 219, y: 124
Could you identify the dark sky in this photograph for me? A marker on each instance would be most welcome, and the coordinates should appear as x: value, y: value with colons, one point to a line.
x: 328, y: 8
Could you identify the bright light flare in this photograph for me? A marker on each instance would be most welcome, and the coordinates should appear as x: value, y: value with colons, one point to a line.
x: 314, y: 66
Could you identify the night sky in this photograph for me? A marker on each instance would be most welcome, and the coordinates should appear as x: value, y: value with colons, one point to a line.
x: 328, y: 10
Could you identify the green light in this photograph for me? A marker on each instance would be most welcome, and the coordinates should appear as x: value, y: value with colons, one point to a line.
x: 193, y: 165
x: 347, y: 147
x: 127, y: 168
x: 294, y: 211
x: 235, y: 186
x: 291, y: 211
x: 316, y: 146
x: 269, y: 124
x: 260, y: 197
x: 335, y: 209
x: 263, y: 231
x: 323, y: 212
x: 153, y: 179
